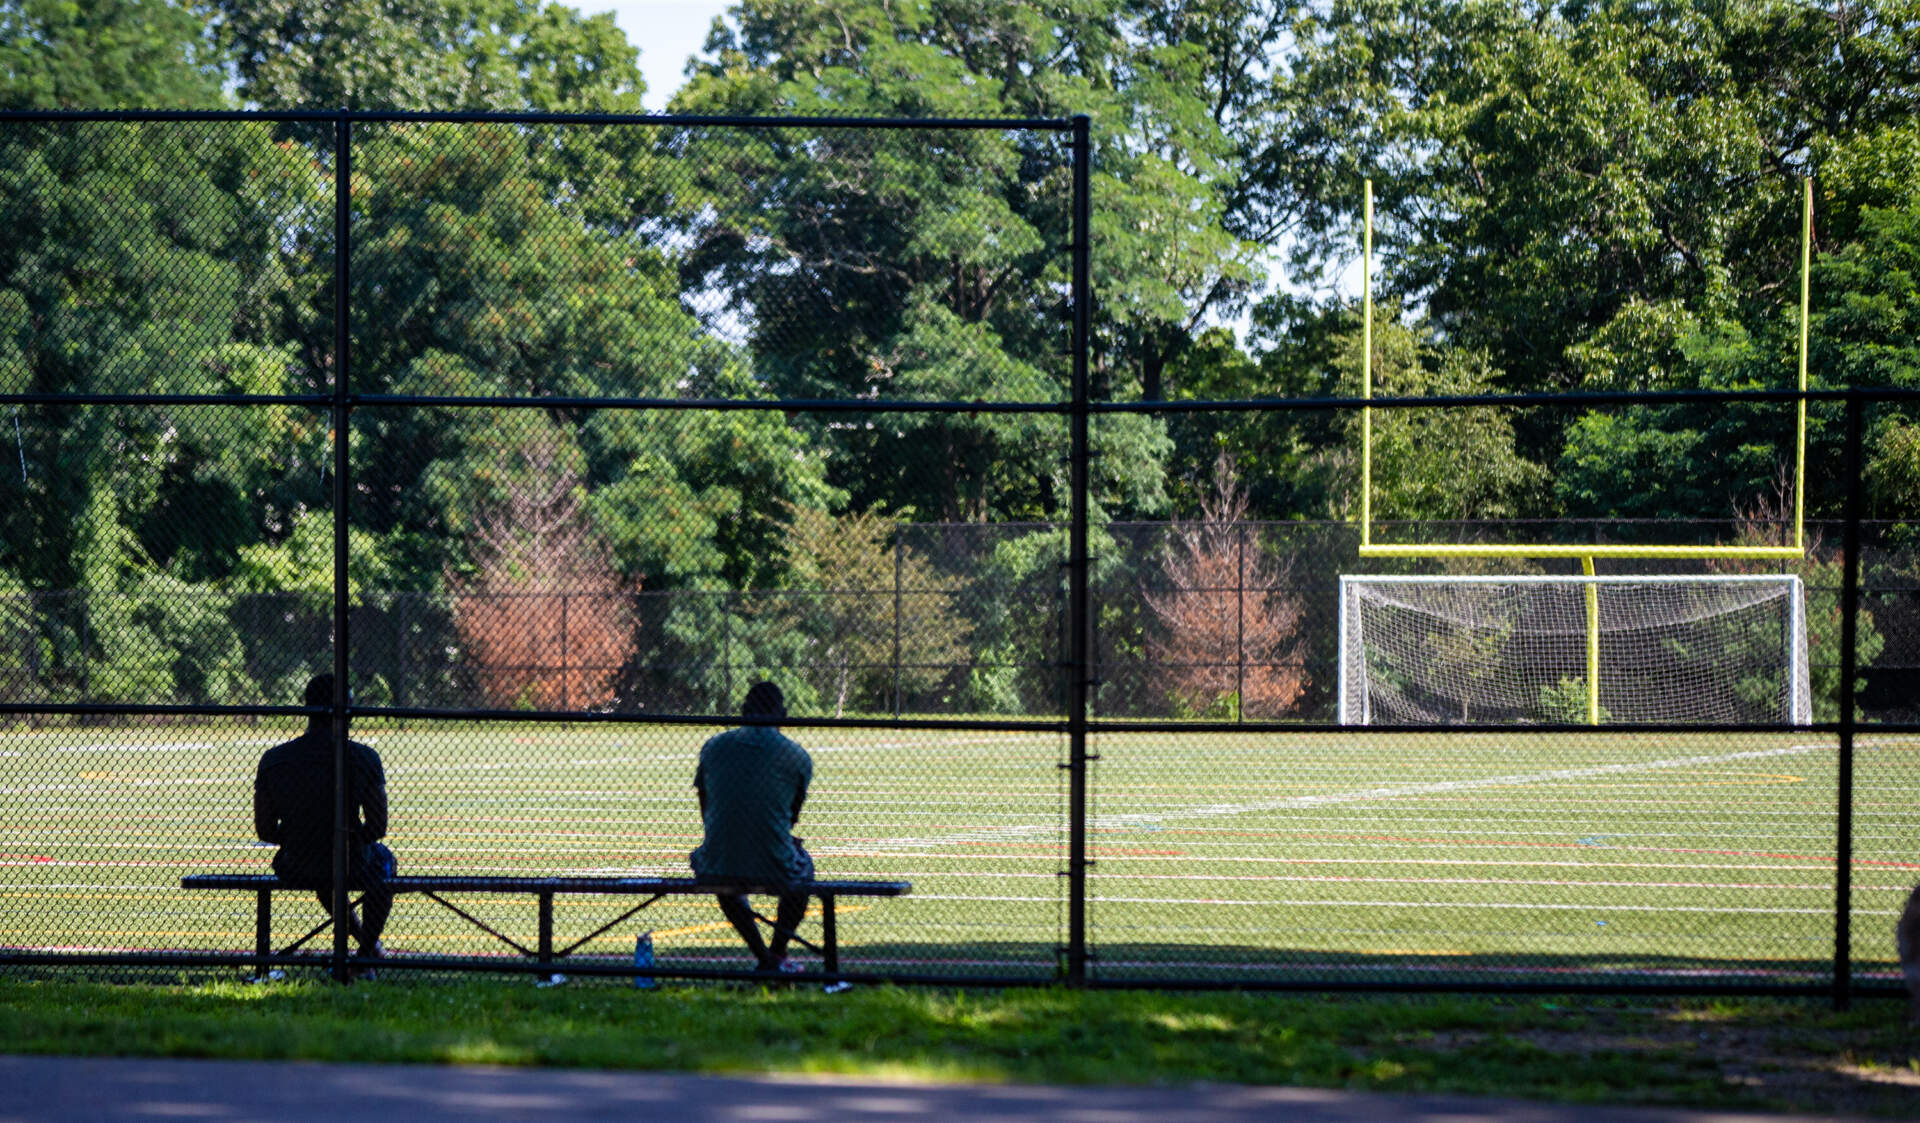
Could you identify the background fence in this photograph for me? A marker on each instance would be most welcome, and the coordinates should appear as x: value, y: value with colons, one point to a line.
x: 895, y: 652
x: 550, y: 435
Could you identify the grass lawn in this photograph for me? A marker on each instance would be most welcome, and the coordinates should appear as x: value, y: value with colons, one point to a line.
x: 1747, y: 1053
x: 1475, y: 858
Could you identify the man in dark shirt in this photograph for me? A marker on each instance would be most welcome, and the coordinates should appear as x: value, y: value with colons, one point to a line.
x: 293, y: 809
x: 752, y: 782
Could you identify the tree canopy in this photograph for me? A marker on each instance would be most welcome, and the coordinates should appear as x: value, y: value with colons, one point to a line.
x: 1571, y: 195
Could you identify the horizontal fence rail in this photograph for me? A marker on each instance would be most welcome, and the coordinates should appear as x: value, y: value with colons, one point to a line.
x: 550, y: 435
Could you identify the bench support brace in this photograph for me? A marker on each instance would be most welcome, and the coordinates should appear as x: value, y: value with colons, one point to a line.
x: 546, y: 899
x: 263, y: 932
x: 575, y: 945
x: 825, y: 956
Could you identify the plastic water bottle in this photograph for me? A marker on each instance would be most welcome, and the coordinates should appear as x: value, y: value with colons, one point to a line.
x: 643, y: 959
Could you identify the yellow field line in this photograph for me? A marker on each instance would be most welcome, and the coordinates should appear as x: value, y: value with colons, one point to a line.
x: 1413, y: 951
x: 723, y: 925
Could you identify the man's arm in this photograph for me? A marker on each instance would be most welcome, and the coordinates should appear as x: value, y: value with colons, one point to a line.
x: 800, y: 790
x: 266, y: 824
x: 374, y: 799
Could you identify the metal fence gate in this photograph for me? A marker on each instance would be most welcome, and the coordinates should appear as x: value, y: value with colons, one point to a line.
x: 547, y: 435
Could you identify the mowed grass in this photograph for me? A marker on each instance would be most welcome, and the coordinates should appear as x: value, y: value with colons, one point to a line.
x: 1789, y: 1054
x: 1258, y: 857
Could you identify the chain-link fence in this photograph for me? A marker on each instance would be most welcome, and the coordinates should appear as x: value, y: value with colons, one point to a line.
x: 549, y: 438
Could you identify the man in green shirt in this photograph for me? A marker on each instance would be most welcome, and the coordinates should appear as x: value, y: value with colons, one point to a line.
x: 752, y: 782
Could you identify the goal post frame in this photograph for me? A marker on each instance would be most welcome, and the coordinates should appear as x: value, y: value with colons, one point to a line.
x: 1797, y: 668
x: 1370, y: 549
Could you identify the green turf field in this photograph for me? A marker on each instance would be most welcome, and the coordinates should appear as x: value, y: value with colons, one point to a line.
x: 1353, y: 856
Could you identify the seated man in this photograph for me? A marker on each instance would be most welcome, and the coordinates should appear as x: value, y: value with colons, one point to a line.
x: 293, y: 809
x: 752, y: 782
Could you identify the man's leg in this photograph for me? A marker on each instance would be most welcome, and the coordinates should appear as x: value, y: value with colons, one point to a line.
x: 353, y: 922
x: 737, y: 910
x: 793, y: 909
x: 376, y: 903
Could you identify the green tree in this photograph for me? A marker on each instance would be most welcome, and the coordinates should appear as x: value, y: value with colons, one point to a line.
x: 905, y: 265
x: 1540, y: 167
x: 877, y: 615
x: 141, y: 257
x: 105, y: 54
x: 436, y: 54
x: 1439, y: 463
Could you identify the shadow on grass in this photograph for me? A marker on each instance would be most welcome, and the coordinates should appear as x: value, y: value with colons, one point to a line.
x: 1710, y: 1051
x: 1164, y: 964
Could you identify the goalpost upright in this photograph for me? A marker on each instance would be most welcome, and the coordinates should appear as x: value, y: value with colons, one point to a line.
x: 1585, y: 553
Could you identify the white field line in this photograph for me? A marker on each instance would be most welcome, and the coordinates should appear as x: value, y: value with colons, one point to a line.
x: 1364, y: 795
x: 665, y: 758
x: 163, y: 747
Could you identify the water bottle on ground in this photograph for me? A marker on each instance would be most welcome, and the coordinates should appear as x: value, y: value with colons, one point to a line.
x: 643, y: 959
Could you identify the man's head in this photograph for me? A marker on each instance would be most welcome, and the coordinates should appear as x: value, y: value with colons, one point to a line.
x: 319, y: 691
x: 764, y: 700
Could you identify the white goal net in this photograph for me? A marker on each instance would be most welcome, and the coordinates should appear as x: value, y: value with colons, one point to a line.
x: 1440, y: 650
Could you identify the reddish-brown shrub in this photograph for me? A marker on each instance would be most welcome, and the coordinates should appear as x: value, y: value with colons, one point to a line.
x: 1228, y: 625
x: 545, y: 620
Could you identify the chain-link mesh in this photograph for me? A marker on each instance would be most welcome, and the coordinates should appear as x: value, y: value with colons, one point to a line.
x: 641, y: 415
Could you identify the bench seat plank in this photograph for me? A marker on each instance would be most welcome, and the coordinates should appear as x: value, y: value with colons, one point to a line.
x: 254, y: 882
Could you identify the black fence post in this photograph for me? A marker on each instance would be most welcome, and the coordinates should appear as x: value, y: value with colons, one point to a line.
x: 86, y: 656
x: 1079, y: 610
x: 1849, y: 667
x: 1240, y: 621
x: 342, y: 184
x: 402, y: 671
x: 898, y: 550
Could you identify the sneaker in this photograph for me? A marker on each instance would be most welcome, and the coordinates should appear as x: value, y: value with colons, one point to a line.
x: 789, y: 967
x: 377, y: 951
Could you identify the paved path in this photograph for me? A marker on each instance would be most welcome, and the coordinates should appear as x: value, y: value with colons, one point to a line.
x: 96, y: 1088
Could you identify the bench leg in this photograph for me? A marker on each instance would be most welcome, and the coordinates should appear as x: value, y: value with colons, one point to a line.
x: 262, y: 931
x: 830, y: 935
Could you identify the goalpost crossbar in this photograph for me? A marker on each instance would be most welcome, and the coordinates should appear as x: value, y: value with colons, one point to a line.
x: 1544, y: 550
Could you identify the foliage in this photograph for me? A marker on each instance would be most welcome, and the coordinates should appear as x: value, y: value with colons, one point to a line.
x: 1542, y: 167
x: 441, y: 54
x: 1439, y: 463
x: 548, y: 622
x: 1820, y: 573
x: 880, y: 620
x: 104, y: 54
x: 1228, y: 621
x: 1571, y: 195
x: 1565, y: 703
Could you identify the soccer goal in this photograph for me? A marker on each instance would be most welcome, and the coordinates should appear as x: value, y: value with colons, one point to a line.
x: 1444, y: 650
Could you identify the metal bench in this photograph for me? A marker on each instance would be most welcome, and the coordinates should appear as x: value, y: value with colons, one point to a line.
x: 264, y: 885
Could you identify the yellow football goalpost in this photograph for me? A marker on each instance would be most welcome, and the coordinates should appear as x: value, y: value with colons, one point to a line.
x: 1371, y: 549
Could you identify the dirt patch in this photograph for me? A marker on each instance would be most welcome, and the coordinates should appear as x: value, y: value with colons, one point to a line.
x: 1871, y: 1070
